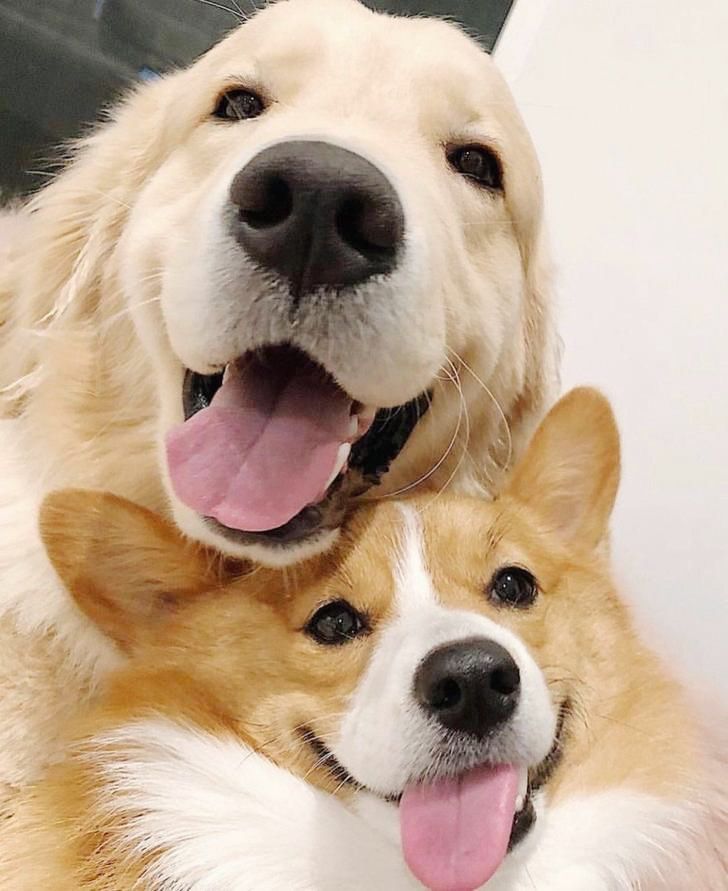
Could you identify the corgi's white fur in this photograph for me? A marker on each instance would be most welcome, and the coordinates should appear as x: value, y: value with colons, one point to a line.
x: 166, y: 786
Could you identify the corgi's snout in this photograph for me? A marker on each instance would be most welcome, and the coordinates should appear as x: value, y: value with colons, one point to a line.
x: 471, y: 686
x: 317, y: 214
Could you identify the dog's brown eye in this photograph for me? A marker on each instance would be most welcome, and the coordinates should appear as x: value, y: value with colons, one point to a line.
x: 478, y: 163
x: 239, y: 105
x: 513, y: 586
x: 336, y: 623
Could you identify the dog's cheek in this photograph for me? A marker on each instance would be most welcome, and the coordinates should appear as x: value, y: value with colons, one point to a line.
x: 384, y: 738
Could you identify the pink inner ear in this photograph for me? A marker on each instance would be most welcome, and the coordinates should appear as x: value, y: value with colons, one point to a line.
x: 570, y: 472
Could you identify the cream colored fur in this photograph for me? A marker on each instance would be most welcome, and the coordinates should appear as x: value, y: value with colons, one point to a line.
x: 100, y: 268
x: 192, y: 771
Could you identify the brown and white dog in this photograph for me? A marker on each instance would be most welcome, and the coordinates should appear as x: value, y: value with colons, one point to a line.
x: 456, y: 687
x: 310, y: 264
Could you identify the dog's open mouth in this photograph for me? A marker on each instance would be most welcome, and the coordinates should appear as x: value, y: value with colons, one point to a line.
x: 456, y: 831
x: 271, y: 447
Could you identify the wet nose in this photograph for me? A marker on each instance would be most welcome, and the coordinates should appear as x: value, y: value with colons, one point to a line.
x: 470, y: 686
x: 317, y: 214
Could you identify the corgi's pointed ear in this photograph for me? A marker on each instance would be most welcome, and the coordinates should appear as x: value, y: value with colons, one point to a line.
x: 124, y: 566
x: 570, y: 473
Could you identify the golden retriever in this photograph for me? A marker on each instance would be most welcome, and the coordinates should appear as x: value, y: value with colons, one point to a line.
x: 308, y: 267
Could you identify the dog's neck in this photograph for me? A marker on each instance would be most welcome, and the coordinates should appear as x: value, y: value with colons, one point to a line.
x: 171, y: 798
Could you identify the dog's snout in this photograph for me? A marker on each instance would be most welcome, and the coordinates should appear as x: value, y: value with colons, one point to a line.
x: 470, y: 686
x: 318, y: 214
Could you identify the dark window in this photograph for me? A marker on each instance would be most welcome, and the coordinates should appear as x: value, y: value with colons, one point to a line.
x: 61, y: 60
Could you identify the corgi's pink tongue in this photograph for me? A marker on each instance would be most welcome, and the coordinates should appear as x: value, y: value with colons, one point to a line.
x: 455, y: 832
x: 264, y: 449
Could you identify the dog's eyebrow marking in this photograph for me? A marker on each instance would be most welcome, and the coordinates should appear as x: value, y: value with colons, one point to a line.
x: 413, y: 585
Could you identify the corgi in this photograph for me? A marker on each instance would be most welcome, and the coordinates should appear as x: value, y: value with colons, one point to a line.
x: 455, y: 698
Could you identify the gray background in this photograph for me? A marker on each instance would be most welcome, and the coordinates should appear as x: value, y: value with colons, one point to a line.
x: 61, y: 61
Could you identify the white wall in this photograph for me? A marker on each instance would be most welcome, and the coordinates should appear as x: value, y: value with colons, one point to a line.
x: 627, y: 101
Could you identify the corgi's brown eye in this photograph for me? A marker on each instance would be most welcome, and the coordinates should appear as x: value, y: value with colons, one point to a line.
x: 239, y: 105
x: 478, y: 163
x: 336, y: 623
x: 513, y: 586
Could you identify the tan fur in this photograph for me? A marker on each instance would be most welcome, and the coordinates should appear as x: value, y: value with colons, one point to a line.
x: 83, y: 264
x: 632, y: 726
x: 65, y: 313
x: 51, y: 683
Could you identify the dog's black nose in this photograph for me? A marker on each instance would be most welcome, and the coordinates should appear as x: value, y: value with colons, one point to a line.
x: 470, y: 686
x: 317, y: 214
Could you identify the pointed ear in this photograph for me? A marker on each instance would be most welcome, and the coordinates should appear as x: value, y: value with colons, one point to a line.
x: 570, y: 473
x: 125, y: 567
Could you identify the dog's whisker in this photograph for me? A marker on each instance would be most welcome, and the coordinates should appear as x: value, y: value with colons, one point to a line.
x: 611, y: 720
x: 496, y: 403
x: 237, y: 15
x: 46, y: 174
x: 293, y: 743
x: 319, y: 762
x: 240, y: 12
x: 113, y: 198
x: 464, y: 408
x: 435, y: 467
x: 127, y: 312
x: 483, y: 224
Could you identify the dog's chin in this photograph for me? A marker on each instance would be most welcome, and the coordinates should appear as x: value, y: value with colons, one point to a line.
x: 534, y: 778
x: 315, y: 527
x: 239, y: 546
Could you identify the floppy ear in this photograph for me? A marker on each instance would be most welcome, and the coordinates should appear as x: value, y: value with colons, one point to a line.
x: 570, y: 472
x: 125, y: 567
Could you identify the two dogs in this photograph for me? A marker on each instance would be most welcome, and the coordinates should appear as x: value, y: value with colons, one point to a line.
x: 456, y: 686
x: 307, y: 268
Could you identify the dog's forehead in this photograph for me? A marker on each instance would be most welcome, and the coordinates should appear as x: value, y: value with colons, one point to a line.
x: 341, y: 48
x: 450, y: 545
x: 425, y: 547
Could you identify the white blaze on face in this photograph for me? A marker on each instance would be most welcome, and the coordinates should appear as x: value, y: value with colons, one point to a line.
x: 386, y: 739
x: 459, y: 792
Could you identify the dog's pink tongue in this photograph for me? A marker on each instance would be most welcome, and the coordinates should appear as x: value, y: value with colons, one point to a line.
x: 455, y: 832
x: 264, y: 449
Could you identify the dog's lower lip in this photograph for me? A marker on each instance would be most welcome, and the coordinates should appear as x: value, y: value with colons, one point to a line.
x: 382, y: 435
x: 326, y: 759
x: 525, y: 815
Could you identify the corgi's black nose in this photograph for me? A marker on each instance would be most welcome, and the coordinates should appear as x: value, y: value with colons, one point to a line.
x: 318, y: 214
x: 470, y: 686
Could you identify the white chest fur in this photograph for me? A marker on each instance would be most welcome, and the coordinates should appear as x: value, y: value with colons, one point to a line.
x: 228, y: 818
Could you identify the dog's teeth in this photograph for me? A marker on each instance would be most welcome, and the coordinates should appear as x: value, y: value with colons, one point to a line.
x: 342, y: 456
x: 353, y: 425
x: 365, y: 419
x: 522, y: 789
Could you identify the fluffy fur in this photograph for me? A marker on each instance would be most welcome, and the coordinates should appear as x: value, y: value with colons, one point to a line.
x: 165, y: 784
x: 124, y: 276
x: 118, y: 275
